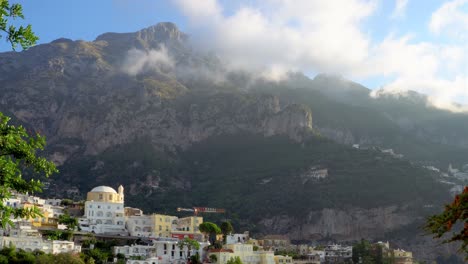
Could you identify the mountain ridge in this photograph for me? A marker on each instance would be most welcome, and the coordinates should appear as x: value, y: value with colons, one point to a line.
x: 185, y: 130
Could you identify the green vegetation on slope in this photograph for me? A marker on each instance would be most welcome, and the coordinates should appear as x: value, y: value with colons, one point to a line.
x: 258, y: 176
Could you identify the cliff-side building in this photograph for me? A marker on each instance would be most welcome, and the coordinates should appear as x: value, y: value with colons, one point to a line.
x: 104, y: 211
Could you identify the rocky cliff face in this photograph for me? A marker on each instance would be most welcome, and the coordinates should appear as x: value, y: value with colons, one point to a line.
x: 353, y: 224
x: 77, y: 90
x: 348, y: 225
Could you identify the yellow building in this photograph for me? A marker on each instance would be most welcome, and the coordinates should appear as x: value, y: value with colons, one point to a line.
x: 47, y: 220
x: 189, y: 224
x: 106, y: 194
x: 279, y: 259
x: 162, y: 224
x: 222, y: 256
x: 245, y: 252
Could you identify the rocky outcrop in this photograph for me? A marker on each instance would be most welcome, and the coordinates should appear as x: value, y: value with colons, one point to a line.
x: 346, y: 224
x: 76, y: 90
x: 353, y: 224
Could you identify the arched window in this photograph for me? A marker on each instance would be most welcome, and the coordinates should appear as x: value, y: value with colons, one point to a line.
x: 99, y: 214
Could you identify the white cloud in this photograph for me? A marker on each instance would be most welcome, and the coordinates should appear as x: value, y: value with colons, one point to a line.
x: 439, y: 71
x: 138, y: 61
x: 450, y: 18
x: 400, y: 9
x: 279, y: 34
x: 273, y: 37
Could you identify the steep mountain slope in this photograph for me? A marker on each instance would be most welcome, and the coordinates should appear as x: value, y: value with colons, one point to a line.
x: 345, y: 112
x: 146, y: 110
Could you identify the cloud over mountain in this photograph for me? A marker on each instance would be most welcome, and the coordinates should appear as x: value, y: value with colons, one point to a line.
x: 277, y: 36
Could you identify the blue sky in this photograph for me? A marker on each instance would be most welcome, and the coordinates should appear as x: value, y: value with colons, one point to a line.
x: 419, y: 46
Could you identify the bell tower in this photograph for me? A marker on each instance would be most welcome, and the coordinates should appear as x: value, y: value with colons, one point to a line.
x: 121, y: 192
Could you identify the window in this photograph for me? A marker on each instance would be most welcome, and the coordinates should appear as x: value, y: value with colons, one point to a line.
x: 160, y: 228
x: 110, y: 196
x: 100, y: 196
x: 108, y: 207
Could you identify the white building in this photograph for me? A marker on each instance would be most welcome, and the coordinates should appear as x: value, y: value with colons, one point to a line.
x: 104, y: 211
x: 245, y: 252
x: 338, y: 253
x: 237, y: 238
x: 140, y: 225
x: 165, y: 250
x: 56, y: 202
x: 146, y: 261
x: 28, y: 239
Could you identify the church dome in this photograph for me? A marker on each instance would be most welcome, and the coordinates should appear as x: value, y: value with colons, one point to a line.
x: 105, y: 189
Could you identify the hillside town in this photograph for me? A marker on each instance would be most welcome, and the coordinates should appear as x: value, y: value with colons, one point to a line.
x: 137, y: 238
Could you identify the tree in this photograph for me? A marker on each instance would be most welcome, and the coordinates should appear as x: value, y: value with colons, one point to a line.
x: 18, y: 150
x: 69, y: 221
x: 23, y: 36
x: 367, y: 253
x: 189, y: 243
x: 226, y: 229
x: 454, y: 220
x: 67, y: 258
x: 213, y: 258
x: 235, y: 260
x: 211, y: 229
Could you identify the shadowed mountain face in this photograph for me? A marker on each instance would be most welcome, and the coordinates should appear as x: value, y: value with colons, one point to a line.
x: 176, y: 128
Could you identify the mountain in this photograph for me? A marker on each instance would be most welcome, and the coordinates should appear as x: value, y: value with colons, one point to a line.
x: 347, y: 113
x: 177, y: 129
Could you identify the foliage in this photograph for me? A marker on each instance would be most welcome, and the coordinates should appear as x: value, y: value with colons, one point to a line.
x: 189, y: 243
x: 66, y: 258
x: 97, y: 255
x: 235, y: 260
x: 18, y: 150
x: 213, y: 258
x: 23, y: 36
x: 290, y: 253
x: 211, y: 229
x: 11, y: 255
x: 58, y: 235
x: 226, y: 229
x: 68, y: 220
x: 195, y: 259
x: 101, y: 253
x: 367, y: 253
x: 66, y: 202
x: 454, y: 217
